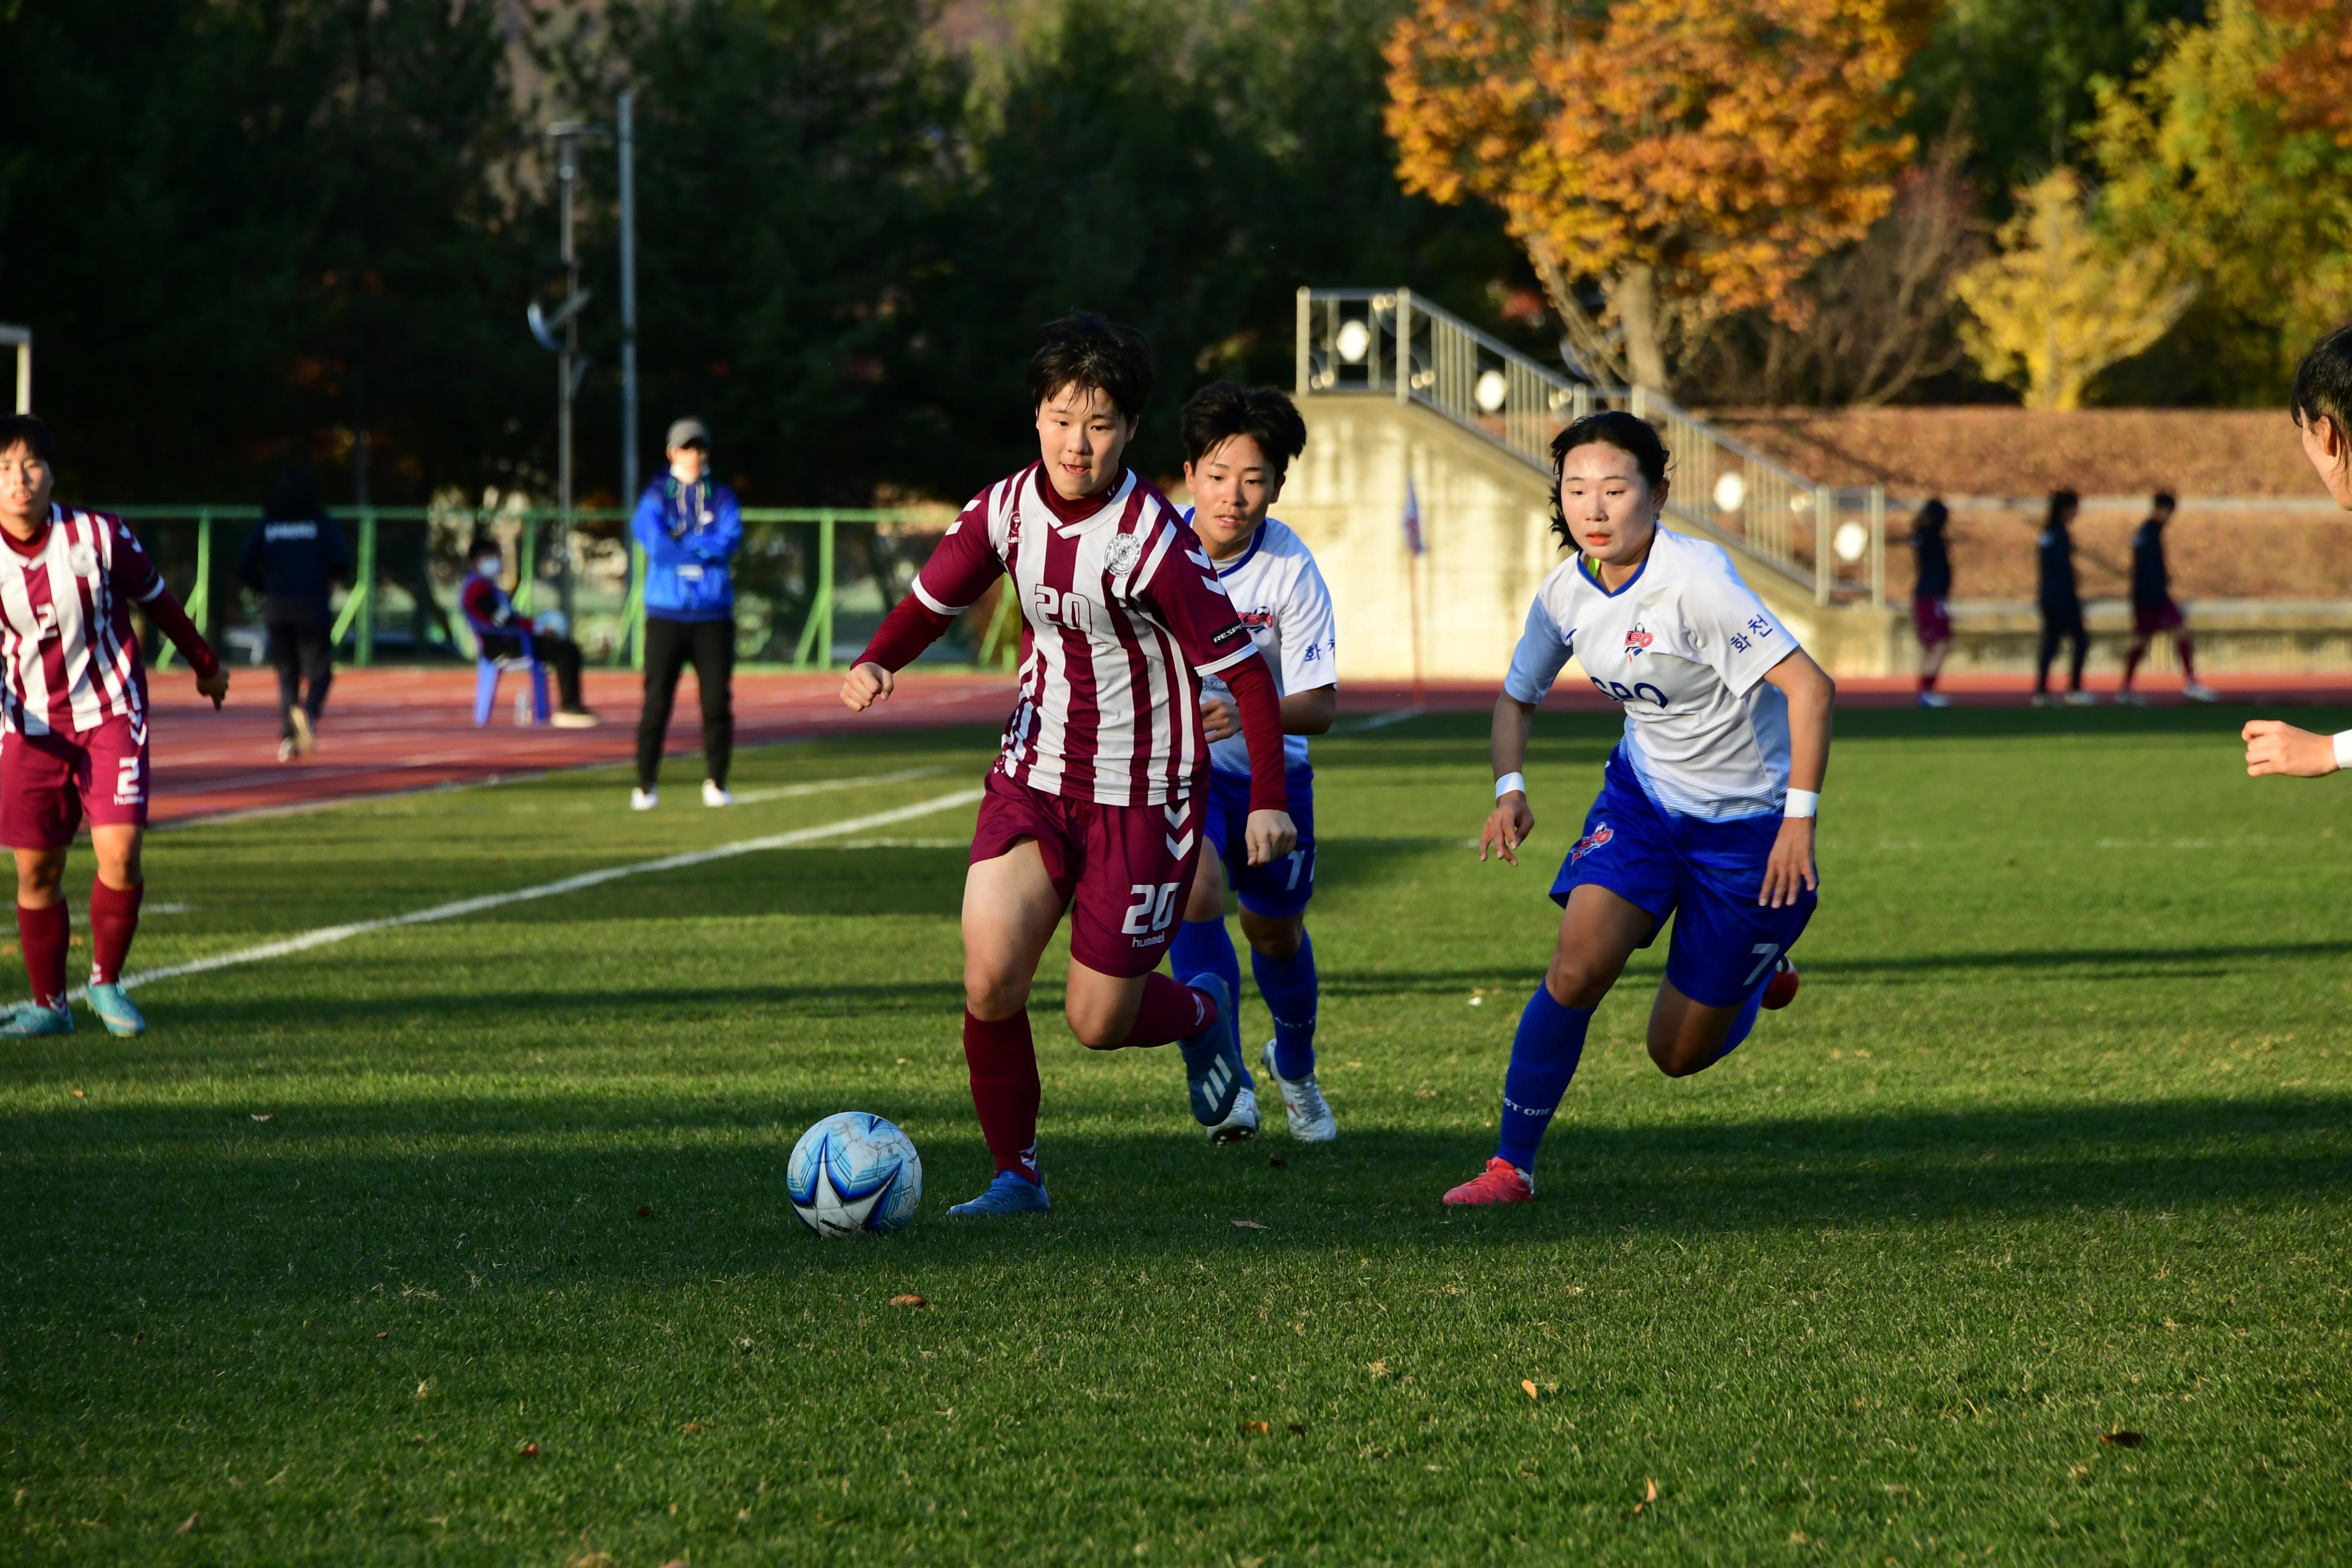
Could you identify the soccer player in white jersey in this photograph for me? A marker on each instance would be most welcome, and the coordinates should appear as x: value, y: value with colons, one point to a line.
x: 1094, y: 804
x: 73, y: 698
x: 1707, y: 806
x: 1239, y: 441
x: 2322, y: 407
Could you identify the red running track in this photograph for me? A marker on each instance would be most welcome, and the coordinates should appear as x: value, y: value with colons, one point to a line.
x: 388, y: 730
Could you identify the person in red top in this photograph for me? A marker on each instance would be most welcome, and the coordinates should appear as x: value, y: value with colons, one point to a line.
x: 1095, y: 803
x: 73, y: 698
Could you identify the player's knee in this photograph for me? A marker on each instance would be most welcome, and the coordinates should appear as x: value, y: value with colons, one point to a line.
x: 1574, y: 981
x: 1680, y: 1058
x: 1101, y: 1030
x: 1278, y: 939
x: 994, y: 996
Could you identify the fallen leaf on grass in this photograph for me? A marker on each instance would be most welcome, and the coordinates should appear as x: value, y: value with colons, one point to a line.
x: 675, y: 1562
x: 695, y: 1427
x: 262, y: 1115
x: 592, y: 1560
x: 423, y: 1388
x: 384, y: 1334
x: 2122, y: 1439
x: 1254, y: 1428
x: 1280, y: 1164
x: 1529, y: 1384
x: 530, y: 1450
x: 908, y: 1301
x: 1796, y: 1538
x: 186, y: 1525
x: 1378, y: 1369
x: 1250, y: 1225
x: 1649, y: 1500
x: 76, y: 1094
x: 1297, y: 1429
x: 645, y: 1211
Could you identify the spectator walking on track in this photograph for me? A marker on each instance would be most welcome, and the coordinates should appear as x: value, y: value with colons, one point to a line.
x: 293, y: 558
x: 505, y: 632
x: 688, y: 526
x: 2062, y: 605
x: 1931, y: 596
x: 2153, y: 611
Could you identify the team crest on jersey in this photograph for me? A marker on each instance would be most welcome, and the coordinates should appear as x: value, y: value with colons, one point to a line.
x: 1590, y: 842
x: 82, y: 561
x: 1637, y: 640
x: 1121, y: 554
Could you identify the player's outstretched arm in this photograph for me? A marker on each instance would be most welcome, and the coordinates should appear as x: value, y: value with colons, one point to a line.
x: 1511, y: 822
x: 1790, y: 871
x: 866, y: 684
x: 2276, y: 747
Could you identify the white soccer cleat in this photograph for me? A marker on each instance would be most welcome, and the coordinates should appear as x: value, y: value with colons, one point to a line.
x: 1240, y: 1124
x: 643, y: 799
x: 2197, y: 692
x: 2082, y: 700
x: 1303, y: 1105
x: 714, y: 795
x: 2130, y: 699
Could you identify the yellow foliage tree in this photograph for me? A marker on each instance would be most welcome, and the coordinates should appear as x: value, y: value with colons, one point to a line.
x: 2059, y: 303
x: 1694, y: 156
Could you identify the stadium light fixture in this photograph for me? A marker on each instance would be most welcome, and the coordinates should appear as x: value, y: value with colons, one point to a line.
x: 1494, y: 390
x: 1355, y: 341
x: 1730, y: 492
x: 572, y: 366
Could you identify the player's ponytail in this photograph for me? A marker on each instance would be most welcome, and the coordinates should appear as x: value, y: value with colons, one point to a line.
x: 2323, y: 385
x: 1635, y: 436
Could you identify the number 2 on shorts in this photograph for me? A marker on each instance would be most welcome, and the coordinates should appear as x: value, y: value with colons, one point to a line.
x: 1765, y: 953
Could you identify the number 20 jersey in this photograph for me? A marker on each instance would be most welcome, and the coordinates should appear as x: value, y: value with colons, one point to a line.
x: 1684, y: 646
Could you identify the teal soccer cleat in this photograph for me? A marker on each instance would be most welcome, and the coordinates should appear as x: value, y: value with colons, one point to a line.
x: 31, y: 1018
x: 1212, y: 1061
x: 1010, y: 1193
x: 112, y: 1004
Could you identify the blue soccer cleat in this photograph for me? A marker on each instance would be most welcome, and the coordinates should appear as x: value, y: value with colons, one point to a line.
x: 112, y: 1006
x: 31, y: 1018
x: 1010, y: 1193
x: 1212, y: 1061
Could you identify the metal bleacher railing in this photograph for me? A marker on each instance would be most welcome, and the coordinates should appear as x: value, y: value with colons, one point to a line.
x: 1389, y: 342
x: 810, y: 582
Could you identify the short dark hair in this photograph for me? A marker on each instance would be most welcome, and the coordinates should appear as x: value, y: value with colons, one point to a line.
x: 1224, y: 409
x: 1093, y: 352
x: 29, y: 430
x: 1932, y: 515
x: 2063, y: 504
x: 1633, y: 435
x: 2323, y: 383
x: 485, y: 544
x: 294, y: 496
x: 2165, y: 501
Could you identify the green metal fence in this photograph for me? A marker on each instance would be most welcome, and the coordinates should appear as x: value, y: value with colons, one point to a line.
x: 811, y: 582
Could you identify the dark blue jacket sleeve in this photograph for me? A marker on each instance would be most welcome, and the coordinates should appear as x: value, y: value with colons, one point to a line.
x: 249, y: 559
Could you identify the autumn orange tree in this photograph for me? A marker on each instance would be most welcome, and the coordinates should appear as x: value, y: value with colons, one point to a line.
x: 1693, y: 157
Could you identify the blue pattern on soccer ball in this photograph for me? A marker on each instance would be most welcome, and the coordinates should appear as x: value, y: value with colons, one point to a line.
x: 852, y: 1172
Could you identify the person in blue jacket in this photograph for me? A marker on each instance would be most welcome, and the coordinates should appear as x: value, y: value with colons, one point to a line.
x: 688, y: 526
x: 293, y: 558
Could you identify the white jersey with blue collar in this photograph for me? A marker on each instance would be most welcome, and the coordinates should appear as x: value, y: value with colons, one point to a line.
x: 1280, y: 597
x: 1684, y: 645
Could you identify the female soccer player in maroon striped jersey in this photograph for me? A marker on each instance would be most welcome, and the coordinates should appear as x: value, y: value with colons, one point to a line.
x: 1095, y: 803
x: 2321, y: 406
x: 73, y: 697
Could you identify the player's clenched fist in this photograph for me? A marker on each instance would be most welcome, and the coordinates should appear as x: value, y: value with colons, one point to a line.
x: 1271, y: 835
x: 214, y: 685
x: 1507, y: 827
x: 2272, y: 747
x: 867, y: 685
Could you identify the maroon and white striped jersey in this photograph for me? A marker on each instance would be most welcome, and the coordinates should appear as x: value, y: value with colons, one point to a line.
x: 1122, y: 615
x: 71, y: 657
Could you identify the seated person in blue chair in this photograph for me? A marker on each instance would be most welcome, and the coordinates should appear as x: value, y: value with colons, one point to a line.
x: 505, y: 632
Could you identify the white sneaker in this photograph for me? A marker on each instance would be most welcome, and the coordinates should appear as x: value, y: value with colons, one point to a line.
x: 1303, y: 1104
x: 2130, y: 699
x: 2197, y: 692
x: 2082, y: 700
x: 713, y: 796
x: 1241, y: 1123
x: 285, y: 751
x: 643, y: 799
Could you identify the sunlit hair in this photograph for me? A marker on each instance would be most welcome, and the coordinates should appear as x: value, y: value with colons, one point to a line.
x: 1224, y: 409
x: 2323, y: 385
x: 1094, y: 354
x: 1636, y: 437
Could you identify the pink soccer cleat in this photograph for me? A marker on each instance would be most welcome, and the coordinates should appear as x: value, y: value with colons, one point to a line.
x: 1503, y: 1183
x: 1781, y: 989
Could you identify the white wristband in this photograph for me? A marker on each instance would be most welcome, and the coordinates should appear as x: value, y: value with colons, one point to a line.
x: 2343, y: 749
x: 1803, y: 803
x: 1509, y: 782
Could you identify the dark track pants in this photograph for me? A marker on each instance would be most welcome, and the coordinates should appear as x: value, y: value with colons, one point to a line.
x: 561, y: 655
x: 2062, y: 621
x: 669, y: 645
x: 301, y: 653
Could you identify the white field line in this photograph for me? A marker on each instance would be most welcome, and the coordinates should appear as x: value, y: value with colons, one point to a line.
x: 327, y: 935
x: 818, y: 787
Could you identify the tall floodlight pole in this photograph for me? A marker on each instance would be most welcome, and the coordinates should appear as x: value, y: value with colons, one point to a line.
x: 628, y: 307
x: 567, y: 173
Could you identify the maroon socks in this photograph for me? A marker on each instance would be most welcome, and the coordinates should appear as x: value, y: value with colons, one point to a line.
x: 1003, y: 1061
x: 1170, y: 1012
x: 114, y: 922
x: 43, y: 933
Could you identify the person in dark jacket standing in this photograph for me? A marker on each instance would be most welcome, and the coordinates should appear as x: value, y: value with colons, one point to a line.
x: 293, y: 558
x: 2153, y: 610
x: 688, y: 527
x: 1931, y: 595
x: 2061, y: 602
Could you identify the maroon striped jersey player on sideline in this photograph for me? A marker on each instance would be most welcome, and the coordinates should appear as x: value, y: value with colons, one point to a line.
x: 73, y: 700
x: 1095, y: 803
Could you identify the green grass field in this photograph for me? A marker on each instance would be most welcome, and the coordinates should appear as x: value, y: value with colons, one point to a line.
x: 2053, y: 1145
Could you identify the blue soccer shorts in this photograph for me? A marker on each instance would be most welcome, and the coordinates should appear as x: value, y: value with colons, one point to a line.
x: 1280, y: 889
x: 1704, y: 874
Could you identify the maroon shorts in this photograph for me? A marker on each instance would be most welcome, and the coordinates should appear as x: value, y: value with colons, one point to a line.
x: 1125, y: 870
x: 49, y: 783
x: 1932, y: 619
x: 2163, y: 618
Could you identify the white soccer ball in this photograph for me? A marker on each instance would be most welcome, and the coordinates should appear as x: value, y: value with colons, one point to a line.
x: 855, y: 1171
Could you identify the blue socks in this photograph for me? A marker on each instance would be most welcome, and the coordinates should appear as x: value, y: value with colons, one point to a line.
x: 1544, y: 1055
x: 1204, y: 947
x: 1291, y: 992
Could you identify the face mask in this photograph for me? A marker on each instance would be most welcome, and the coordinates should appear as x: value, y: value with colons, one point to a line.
x: 487, y: 565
